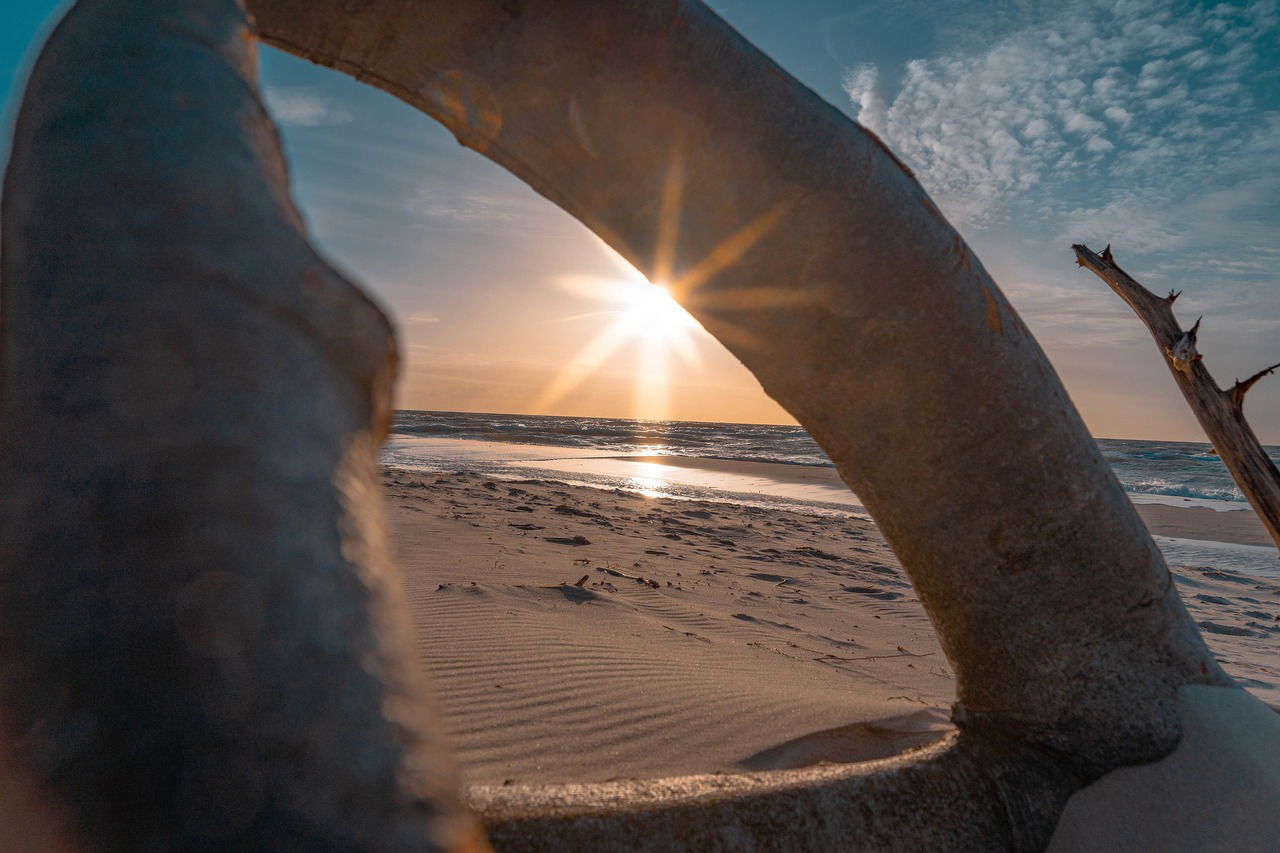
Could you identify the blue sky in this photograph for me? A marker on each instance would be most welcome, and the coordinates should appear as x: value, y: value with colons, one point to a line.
x: 1153, y: 126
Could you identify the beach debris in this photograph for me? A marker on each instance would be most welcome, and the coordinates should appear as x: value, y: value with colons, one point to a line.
x: 568, y: 540
x: 902, y: 654
x: 689, y: 634
x: 582, y: 580
x: 637, y: 578
x: 525, y: 526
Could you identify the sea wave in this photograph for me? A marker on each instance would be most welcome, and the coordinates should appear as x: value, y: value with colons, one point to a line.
x: 1168, y: 468
x: 1157, y: 486
x: 742, y: 442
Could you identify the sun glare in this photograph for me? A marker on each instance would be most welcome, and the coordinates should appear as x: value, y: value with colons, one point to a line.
x: 644, y: 316
x: 649, y: 311
x: 647, y: 315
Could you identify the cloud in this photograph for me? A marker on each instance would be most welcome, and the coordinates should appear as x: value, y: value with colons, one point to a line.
x: 298, y: 107
x: 1151, y: 126
x: 1098, y: 96
x: 1128, y: 220
x: 1119, y: 115
x: 420, y: 318
x: 461, y: 207
x: 860, y: 82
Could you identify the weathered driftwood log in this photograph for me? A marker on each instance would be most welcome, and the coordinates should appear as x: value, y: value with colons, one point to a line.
x: 1220, y: 413
x: 198, y: 641
x: 815, y: 256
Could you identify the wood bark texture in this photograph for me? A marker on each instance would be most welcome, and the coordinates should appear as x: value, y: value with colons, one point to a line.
x: 1220, y: 412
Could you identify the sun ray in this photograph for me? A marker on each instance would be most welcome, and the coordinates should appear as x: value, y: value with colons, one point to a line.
x: 652, y: 315
x: 580, y: 367
x: 669, y: 216
x: 652, y: 388
x: 754, y: 298
x: 728, y: 251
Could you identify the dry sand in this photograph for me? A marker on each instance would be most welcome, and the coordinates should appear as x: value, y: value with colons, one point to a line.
x: 575, y: 634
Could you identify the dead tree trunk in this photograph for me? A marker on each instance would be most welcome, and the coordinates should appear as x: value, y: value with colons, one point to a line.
x: 1220, y: 413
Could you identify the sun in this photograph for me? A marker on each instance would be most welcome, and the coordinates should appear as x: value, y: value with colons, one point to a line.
x: 650, y: 311
x: 641, y: 314
x: 646, y: 313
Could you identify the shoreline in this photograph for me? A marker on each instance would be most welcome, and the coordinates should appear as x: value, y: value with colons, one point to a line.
x: 792, y: 486
x: 577, y: 634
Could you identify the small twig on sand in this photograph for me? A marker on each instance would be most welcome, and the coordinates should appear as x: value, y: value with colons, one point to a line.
x: 579, y: 582
x: 635, y: 578
x: 618, y: 574
x: 876, y: 657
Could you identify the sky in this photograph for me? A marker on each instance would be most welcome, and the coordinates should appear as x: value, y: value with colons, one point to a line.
x: 1152, y: 126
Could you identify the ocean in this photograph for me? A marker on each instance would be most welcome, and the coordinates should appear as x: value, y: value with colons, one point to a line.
x: 768, y: 466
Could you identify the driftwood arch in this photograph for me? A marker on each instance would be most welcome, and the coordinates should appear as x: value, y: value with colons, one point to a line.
x: 200, y: 640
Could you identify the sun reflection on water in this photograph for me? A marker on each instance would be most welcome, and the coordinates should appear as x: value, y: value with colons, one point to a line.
x: 650, y: 487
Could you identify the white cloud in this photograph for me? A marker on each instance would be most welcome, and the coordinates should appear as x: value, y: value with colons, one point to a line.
x: 303, y: 107
x: 1036, y: 128
x: 1129, y: 221
x: 421, y: 318
x: 1151, y: 127
x: 460, y: 207
x: 860, y: 83
x: 1078, y: 122
x: 1119, y: 115
x: 1100, y: 96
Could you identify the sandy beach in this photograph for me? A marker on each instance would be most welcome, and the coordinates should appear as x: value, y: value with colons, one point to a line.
x: 581, y: 634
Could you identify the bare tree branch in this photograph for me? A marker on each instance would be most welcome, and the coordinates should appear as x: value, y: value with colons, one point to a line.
x: 1219, y: 412
x: 1238, y: 390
